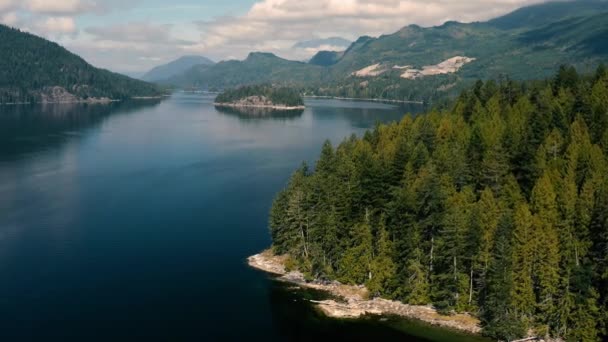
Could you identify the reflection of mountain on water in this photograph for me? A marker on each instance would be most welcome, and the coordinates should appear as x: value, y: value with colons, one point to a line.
x: 253, y: 113
x: 30, y: 128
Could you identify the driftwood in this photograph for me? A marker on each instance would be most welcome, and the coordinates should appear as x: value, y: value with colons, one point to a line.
x: 528, y: 339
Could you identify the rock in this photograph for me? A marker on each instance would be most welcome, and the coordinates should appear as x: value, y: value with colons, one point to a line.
x: 356, y: 304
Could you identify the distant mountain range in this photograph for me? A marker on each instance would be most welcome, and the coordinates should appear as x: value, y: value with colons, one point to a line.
x: 417, y: 63
x: 33, y: 69
x: 174, y: 68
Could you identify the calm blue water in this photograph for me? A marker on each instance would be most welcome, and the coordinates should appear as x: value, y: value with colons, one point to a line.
x: 132, y: 221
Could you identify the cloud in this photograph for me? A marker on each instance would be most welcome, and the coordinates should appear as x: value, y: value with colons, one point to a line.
x: 57, y: 25
x: 53, y: 18
x: 270, y: 23
x: 6, y: 5
x: 60, y: 6
x: 133, y: 46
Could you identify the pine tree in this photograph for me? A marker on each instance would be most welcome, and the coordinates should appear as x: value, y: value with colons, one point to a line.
x: 547, y: 250
x: 500, y: 320
x: 355, y: 265
x: 524, y: 247
x: 383, y: 269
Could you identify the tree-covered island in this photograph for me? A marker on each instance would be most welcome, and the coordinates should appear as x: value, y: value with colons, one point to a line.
x: 497, y: 207
x: 261, y: 96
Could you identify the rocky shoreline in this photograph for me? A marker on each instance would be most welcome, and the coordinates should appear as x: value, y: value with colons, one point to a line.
x: 275, y: 107
x: 355, y: 301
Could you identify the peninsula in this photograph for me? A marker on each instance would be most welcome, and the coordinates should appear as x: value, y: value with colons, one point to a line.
x: 355, y: 301
x: 261, y: 96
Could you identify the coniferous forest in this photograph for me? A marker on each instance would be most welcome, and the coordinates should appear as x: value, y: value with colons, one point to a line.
x: 497, y: 206
x: 29, y: 65
x: 276, y: 95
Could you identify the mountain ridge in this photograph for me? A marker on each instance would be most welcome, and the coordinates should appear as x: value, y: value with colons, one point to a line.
x: 175, y: 67
x: 573, y: 33
x: 33, y: 69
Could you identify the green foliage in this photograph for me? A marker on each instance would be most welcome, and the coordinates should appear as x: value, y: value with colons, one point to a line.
x: 498, y: 207
x: 277, y: 95
x: 29, y: 65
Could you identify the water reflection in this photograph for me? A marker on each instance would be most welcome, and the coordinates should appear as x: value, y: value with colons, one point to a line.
x: 253, y: 113
x: 26, y: 129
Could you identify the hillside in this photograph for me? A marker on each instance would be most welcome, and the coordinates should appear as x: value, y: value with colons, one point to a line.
x: 326, y: 58
x: 176, y: 67
x: 257, y: 68
x: 417, y: 63
x: 496, y: 207
x: 33, y: 69
x: 544, y: 14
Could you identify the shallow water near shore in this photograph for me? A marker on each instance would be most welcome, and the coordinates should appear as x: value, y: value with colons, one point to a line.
x: 132, y: 221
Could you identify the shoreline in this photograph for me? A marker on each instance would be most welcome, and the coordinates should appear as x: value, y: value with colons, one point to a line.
x: 83, y: 101
x: 361, y: 99
x: 277, y: 107
x: 356, y: 302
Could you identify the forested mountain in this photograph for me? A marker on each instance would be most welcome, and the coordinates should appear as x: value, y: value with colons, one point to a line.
x: 174, y: 68
x: 547, y: 13
x: 497, y: 207
x: 257, y: 68
x: 416, y: 63
x: 33, y: 69
x: 326, y: 58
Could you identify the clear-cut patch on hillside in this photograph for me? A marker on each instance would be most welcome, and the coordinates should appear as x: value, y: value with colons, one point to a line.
x: 448, y: 66
x: 370, y: 71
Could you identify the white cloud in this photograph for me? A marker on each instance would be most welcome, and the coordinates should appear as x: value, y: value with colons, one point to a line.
x: 269, y: 23
x: 6, y: 5
x: 128, y: 47
x: 59, y: 6
x: 57, y: 25
x: 10, y: 18
x: 49, y: 18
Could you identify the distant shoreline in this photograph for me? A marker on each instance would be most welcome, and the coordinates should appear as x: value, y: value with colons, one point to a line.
x: 361, y: 99
x: 356, y: 302
x: 82, y: 101
x: 276, y: 107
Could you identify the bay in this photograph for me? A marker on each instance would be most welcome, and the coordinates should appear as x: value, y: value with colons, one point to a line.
x: 132, y: 221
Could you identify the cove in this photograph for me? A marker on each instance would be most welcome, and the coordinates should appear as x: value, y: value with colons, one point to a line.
x: 132, y: 221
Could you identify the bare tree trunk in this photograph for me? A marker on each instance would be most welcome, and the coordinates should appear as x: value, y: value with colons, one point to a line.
x: 432, y: 247
x: 471, y: 286
x: 304, y: 240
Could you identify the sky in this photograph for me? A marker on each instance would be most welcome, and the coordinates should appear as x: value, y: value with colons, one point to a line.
x: 132, y: 36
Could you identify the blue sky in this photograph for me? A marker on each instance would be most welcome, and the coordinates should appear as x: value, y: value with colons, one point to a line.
x: 184, y: 11
x: 133, y: 36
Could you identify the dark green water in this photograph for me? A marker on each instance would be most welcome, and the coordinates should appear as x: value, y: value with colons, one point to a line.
x: 132, y: 222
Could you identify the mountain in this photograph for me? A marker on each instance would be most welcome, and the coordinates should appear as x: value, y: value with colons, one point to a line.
x: 336, y: 43
x: 33, y: 69
x: 428, y: 63
x: 176, y: 67
x: 258, y: 67
x: 326, y: 58
x: 544, y: 14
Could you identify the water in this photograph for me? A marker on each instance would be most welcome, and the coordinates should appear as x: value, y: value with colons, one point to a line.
x: 132, y: 221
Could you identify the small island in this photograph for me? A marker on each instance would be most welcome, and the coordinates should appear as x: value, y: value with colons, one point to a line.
x: 261, y: 96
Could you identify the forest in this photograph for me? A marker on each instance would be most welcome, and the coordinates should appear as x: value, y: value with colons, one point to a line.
x: 496, y: 205
x: 277, y: 95
x: 30, y: 64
